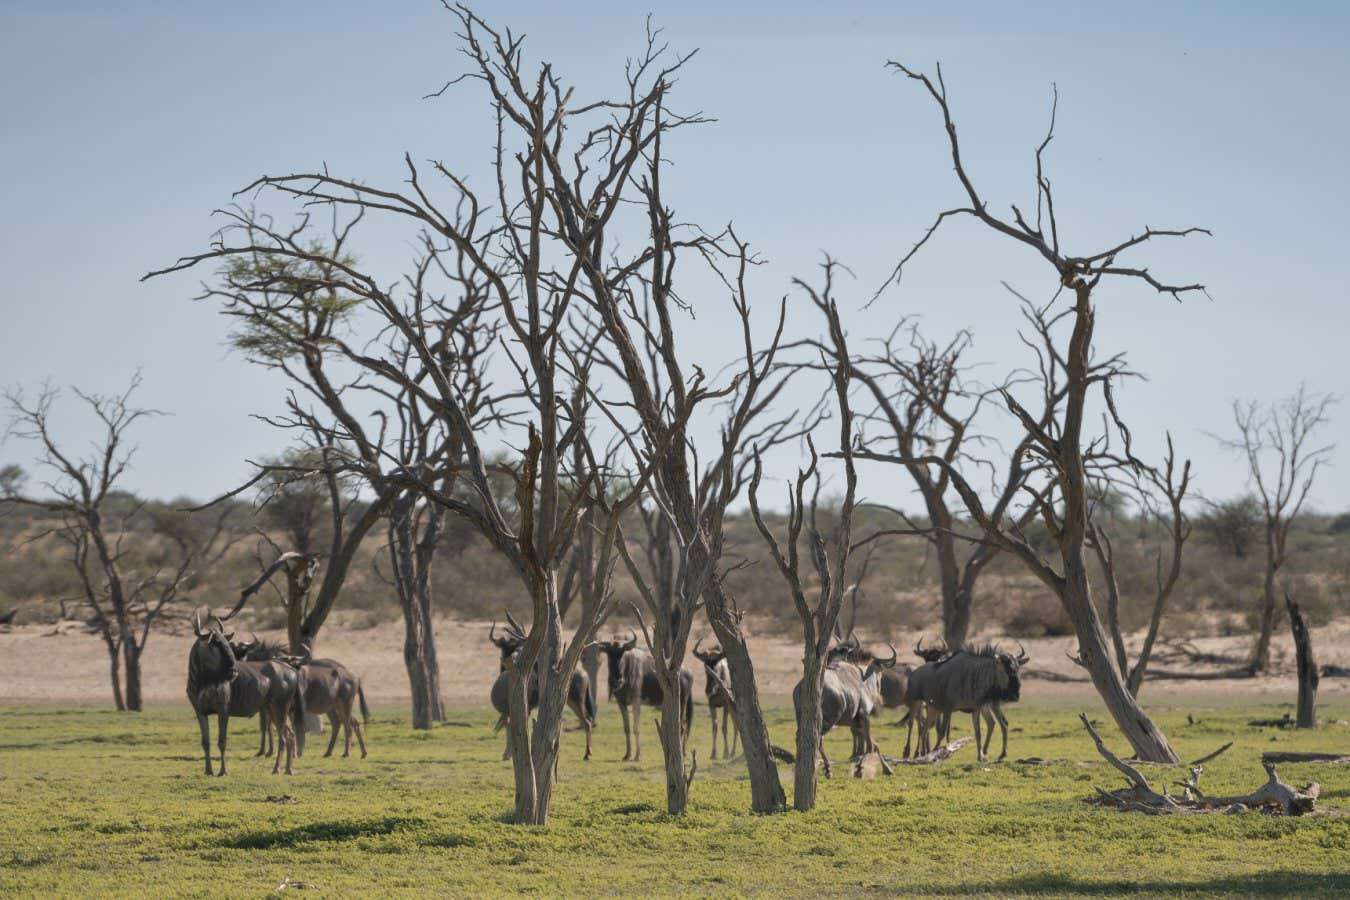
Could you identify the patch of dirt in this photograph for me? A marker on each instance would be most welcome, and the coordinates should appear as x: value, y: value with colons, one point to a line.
x: 37, y: 666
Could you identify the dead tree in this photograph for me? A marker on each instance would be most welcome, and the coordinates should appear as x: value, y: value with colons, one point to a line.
x: 536, y: 257
x: 1156, y: 487
x: 1059, y: 444
x: 1307, y: 666
x: 133, y: 561
x: 1278, y: 442
x: 923, y: 397
x: 829, y: 557
x: 1274, y: 796
x: 636, y: 306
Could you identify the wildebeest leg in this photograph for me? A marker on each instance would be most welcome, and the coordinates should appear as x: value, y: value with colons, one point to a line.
x: 988, y: 714
x: 289, y: 736
x: 205, y: 726
x: 825, y: 760
x: 1003, y: 727
x: 333, y: 727
x: 637, y: 731
x: 627, y: 735
x: 506, y: 754
x: 712, y: 713
x: 360, y: 734
x: 735, y: 733
x: 262, y: 734
x: 872, y: 747
x: 345, y: 713
x: 979, y: 745
x: 282, y: 743
x: 222, y: 727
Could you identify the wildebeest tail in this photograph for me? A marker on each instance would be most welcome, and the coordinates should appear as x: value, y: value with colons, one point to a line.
x: 779, y: 753
x: 365, y: 710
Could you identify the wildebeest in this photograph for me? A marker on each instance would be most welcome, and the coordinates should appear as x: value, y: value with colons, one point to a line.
x: 849, y: 693
x: 977, y: 680
x: 218, y: 683
x: 580, y: 698
x: 632, y: 682
x: 329, y: 687
x: 918, y: 713
x: 717, y: 689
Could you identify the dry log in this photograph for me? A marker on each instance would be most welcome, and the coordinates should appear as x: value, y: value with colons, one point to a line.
x: 1278, y: 756
x: 1273, y: 796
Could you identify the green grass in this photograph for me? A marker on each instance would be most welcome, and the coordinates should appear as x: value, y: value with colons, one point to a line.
x: 94, y: 802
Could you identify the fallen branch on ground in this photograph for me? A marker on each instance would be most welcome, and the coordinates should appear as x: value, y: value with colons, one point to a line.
x: 1274, y: 796
x: 1278, y: 756
x: 1047, y: 675
x: 1284, y: 722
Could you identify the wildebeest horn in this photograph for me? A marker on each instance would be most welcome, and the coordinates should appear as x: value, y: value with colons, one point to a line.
x: 197, y: 623
x: 1022, y: 658
x: 888, y: 663
x: 918, y: 648
x: 696, y: 645
x: 631, y: 642
x: 515, y: 626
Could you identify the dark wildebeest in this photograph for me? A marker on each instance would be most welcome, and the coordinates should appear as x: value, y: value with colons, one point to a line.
x: 918, y: 712
x: 632, y: 682
x: 218, y: 683
x: 579, y: 697
x: 977, y: 680
x: 717, y: 689
x: 849, y: 694
x: 330, y: 689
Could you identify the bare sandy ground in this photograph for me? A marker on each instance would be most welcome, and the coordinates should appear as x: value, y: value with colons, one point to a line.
x: 71, y: 668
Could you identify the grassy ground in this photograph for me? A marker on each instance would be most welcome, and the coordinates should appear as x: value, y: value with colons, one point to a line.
x: 96, y: 802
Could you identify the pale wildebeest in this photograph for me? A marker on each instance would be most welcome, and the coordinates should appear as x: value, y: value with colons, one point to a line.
x: 632, y: 682
x: 330, y: 688
x: 850, y: 693
x: 579, y: 696
x: 977, y: 680
x: 717, y: 689
x: 218, y: 683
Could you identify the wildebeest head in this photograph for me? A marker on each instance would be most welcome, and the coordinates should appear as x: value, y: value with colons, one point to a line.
x: 875, y: 664
x: 709, y: 658
x: 511, y: 639
x: 212, y: 658
x: 614, y: 649
x: 1011, y: 675
x: 933, y: 653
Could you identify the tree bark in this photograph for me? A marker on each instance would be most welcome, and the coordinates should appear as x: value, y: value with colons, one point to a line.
x: 766, y: 790
x: 131, y: 662
x: 808, y: 736
x: 412, y: 558
x: 115, y: 668
x: 669, y: 729
x: 1266, y: 626
x: 1307, y: 666
x: 956, y: 614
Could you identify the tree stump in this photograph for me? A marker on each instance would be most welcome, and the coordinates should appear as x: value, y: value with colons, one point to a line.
x: 1307, y: 667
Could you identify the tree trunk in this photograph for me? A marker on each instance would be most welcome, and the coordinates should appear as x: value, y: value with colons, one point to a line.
x: 547, y: 732
x: 518, y: 734
x: 412, y: 580
x: 672, y: 742
x: 1307, y: 666
x: 115, y: 667
x: 1148, y: 742
x: 955, y: 616
x: 808, y: 735
x: 131, y: 661
x: 766, y: 790
x: 1266, y: 629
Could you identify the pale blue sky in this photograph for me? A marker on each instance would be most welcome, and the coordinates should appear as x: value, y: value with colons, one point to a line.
x: 123, y: 130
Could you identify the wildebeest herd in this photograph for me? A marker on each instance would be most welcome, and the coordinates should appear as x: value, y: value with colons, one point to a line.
x: 231, y: 678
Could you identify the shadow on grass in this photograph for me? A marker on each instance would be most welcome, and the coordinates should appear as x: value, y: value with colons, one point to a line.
x: 318, y: 831
x: 1287, y: 884
x: 127, y: 738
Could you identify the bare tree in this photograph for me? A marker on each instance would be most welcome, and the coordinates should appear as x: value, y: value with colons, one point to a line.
x: 562, y: 170
x: 1232, y: 524
x: 134, y: 561
x: 830, y: 558
x: 1283, y: 457
x: 925, y: 400
x: 1157, y: 488
x: 1059, y: 444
